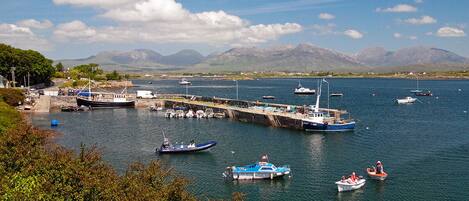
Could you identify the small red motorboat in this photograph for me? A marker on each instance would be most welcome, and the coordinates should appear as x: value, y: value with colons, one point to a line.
x: 373, y: 175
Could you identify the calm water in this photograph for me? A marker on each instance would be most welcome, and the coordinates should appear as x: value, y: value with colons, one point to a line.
x: 424, y: 146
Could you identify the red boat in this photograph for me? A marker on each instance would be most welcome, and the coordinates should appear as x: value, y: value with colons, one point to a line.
x: 373, y: 175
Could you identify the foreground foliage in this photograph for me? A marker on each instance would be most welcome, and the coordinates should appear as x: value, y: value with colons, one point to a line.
x: 34, y: 168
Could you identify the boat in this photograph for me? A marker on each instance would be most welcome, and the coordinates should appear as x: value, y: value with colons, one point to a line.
x: 372, y: 174
x: 209, y: 112
x: 406, y: 100
x: 336, y: 94
x: 184, y: 82
x: 349, y: 185
x: 72, y: 108
x: 318, y: 120
x: 168, y: 148
x: 200, y: 114
x: 416, y: 90
x: 170, y: 113
x: 259, y: 170
x: 268, y: 97
x: 180, y: 114
x: 156, y: 108
x: 179, y: 108
x: 300, y: 90
x: 190, y: 114
x: 219, y: 115
x: 426, y: 93
x: 104, y: 100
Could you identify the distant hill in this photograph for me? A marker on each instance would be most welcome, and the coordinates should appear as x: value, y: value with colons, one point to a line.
x: 139, y: 59
x: 303, y: 58
x: 412, y: 56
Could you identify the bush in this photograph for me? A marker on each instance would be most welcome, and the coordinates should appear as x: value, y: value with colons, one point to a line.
x: 35, y: 168
x: 11, y: 96
x: 8, y: 117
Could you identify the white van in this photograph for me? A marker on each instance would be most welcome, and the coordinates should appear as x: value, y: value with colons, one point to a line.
x: 145, y: 94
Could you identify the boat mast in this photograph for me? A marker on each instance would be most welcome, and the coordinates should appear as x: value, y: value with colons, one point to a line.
x: 417, y: 82
x: 316, y: 109
x: 89, y: 88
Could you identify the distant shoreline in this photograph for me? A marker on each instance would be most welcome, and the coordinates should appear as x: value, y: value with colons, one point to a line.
x: 450, y: 75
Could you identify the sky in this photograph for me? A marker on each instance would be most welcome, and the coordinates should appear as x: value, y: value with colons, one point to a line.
x: 80, y: 28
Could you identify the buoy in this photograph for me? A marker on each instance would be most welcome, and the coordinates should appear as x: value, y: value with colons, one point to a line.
x: 54, y: 122
x: 367, y: 128
x: 232, y: 152
x: 465, y: 111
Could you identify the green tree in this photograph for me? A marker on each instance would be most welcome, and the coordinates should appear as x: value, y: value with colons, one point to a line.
x: 59, y: 67
x: 113, y: 76
x: 88, y: 70
x: 25, y: 61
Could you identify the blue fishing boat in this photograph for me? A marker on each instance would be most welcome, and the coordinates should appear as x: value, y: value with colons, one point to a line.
x: 260, y: 170
x: 168, y: 148
x: 322, y: 120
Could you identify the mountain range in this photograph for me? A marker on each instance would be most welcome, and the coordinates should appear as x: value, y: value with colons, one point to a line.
x: 301, y: 58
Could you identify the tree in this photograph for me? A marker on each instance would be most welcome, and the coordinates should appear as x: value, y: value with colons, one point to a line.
x: 59, y: 67
x: 113, y: 76
x: 25, y: 61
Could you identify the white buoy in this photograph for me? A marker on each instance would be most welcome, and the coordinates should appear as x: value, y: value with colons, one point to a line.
x: 367, y: 128
x: 232, y: 152
x: 459, y: 90
x: 465, y: 111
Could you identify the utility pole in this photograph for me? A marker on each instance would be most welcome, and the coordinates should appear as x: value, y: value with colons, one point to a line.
x: 13, y: 76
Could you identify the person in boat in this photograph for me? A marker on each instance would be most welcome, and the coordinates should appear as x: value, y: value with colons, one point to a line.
x: 353, y: 177
x: 379, y: 167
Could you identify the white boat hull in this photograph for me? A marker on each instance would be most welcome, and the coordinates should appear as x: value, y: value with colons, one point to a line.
x: 350, y: 186
x: 406, y: 101
x: 258, y: 175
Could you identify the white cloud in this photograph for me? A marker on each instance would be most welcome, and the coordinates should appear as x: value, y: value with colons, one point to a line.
x: 418, y: 1
x: 353, y: 34
x: 397, y: 35
x: 326, y: 16
x: 450, y: 32
x: 161, y: 21
x: 75, y: 30
x: 422, y: 20
x: 32, y: 23
x: 99, y: 3
x: 22, y: 37
x: 413, y: 37
x: 400, y: 8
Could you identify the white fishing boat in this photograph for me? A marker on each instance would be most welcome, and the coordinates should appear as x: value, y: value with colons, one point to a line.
x: 180, y: 114
x: 170, y: 113
x: 184, y: 82
x: 406, y: 100
x: 190, y: 114
x: 350, y: 185
x: 300, y: 90
x: 200, y: 114
x: 209, y: 113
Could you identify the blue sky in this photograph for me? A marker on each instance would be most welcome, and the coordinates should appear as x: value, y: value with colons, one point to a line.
x: 80, y: 28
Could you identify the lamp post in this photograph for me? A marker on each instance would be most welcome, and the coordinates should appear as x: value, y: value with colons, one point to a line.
x: 237, y: 90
